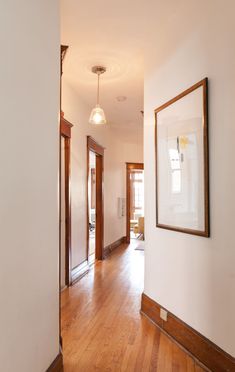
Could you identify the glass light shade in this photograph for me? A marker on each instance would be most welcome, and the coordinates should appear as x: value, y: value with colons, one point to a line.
x: 97, y: 116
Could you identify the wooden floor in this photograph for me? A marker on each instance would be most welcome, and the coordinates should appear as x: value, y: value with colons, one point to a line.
x: 102, y: 328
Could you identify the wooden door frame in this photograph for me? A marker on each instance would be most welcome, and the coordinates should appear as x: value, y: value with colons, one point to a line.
x: 61, y: 131
x: 129, y: 168
x: 93, y: 146
x: 65, y: 132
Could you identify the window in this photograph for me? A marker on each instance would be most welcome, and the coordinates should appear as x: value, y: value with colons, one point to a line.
x: 137, y: 194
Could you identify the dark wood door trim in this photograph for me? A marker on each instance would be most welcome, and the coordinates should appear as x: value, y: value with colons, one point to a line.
x: 63, y: 51
x: 92, y: 145
x: 99, y: 231
x: 65, y: 132
x: 57, y: 364
x: 129, y: 168
x: 65, y: 127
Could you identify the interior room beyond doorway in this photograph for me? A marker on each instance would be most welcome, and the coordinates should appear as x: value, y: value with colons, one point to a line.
x: 135, y: 201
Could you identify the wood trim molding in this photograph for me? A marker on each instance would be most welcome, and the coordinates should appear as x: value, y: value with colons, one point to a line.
x: 68, y: 248
x: 79, y: 271
x: 65, y: 127
x: 135, y: 166
x: 99, y: 225
x: 110, y: 248
x: 213, y: 357
x: 63, y: 51
x: 94, y: 146
x: 65, y: 131
x: 129, y: 168
x: 57, y: 364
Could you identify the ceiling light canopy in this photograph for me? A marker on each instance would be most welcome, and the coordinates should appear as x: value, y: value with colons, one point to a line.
x: 97, y: 116
x: 121, y: 98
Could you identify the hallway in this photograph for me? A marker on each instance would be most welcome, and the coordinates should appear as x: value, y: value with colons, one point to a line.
x: 102, y: 328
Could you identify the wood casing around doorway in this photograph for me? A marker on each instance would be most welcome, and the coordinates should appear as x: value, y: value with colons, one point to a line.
x: 57, y: 364
x: 65, y: 131
x: 92, y: 145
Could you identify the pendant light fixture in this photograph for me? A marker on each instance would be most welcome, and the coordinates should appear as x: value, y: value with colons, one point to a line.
x: 97, y: 116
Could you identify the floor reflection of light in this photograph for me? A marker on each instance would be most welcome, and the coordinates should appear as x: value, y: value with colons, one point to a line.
x: 136, y: 270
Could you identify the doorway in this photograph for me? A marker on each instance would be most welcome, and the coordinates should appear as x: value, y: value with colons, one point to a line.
x: 65, y: 207
x: 92, y: 206
x: 135, y: 201
x: 95, y: 202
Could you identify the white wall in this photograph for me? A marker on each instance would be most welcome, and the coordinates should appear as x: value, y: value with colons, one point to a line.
x: 191, y: 276
x: 118, y: 150
x: 29, y: 91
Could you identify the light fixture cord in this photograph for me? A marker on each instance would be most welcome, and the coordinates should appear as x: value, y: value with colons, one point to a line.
x: 98, y: 90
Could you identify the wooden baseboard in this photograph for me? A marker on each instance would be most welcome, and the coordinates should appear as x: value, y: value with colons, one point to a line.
x: 196, y: 344
x: 79, y: 271
x: 109, y: 248
x: 57, y: 365
x: 82, y: 269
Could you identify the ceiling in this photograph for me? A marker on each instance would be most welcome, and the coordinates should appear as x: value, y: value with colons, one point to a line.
x: 115, y: 34
x: 105, y: 33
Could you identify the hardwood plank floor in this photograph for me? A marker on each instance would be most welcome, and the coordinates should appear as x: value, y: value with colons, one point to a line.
x: 102, y: 328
